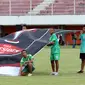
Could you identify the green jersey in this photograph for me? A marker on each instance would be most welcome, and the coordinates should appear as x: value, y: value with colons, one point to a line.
x: 82, y: 47
x: 55, y: 48
x: 23, y: 60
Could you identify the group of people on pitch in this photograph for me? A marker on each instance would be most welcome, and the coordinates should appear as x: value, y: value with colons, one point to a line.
x: 26, y: 63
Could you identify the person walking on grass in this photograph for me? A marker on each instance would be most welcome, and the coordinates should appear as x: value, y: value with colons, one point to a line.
x: 82, y: 50
x: 55, y: 52
x: 26, y: 64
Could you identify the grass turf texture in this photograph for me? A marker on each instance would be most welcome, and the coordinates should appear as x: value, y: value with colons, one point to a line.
x: 69, y: 65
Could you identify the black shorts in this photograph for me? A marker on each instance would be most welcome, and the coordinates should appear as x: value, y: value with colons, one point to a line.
x: 82, y: 55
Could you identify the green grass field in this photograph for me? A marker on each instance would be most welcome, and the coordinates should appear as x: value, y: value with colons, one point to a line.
x: 69, y: 65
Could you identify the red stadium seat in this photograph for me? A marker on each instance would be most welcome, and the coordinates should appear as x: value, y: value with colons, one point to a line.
x: 18, y: 7
x: 22, y: 7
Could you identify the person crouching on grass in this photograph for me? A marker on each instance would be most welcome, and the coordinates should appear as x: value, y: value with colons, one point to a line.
x: 55, y: 52
x: 26, y: 64
x: 82, y: 50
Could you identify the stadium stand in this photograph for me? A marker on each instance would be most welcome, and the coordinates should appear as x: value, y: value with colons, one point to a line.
x: 80, y: 7
x: 35, y: 3
x: 65, y: 7
x: 60, y: 7
x: 4, y: 7
x: 23, y: 7
x: 17, y: 7
x: 20, y: 7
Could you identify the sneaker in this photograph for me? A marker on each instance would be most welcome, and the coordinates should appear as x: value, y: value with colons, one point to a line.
x: 29, y: 74
x: 53, y: 73
x: 80, y: 71
x: 56, y: 73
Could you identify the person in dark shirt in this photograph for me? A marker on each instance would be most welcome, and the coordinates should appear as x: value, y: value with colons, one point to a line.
x: 74, y: 40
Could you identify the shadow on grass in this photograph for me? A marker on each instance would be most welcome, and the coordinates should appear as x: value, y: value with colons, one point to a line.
x: 41, y: 73
x: 71, y: 74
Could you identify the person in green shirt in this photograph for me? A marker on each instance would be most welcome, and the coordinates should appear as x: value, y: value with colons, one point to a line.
x: 55, y: 52
x: 26, y: 64
x: 82, y: 50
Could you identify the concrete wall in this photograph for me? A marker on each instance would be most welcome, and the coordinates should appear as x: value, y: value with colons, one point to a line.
x: 43, y: 20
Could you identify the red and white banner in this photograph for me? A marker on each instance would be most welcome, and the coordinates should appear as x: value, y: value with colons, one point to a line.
x: 11, y: 46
